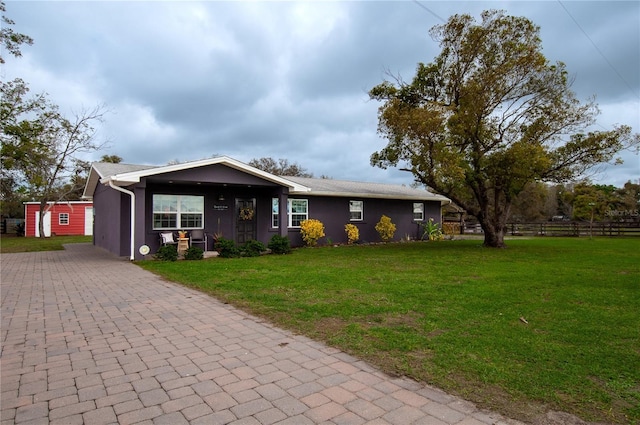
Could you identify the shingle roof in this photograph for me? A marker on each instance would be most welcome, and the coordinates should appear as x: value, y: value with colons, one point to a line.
x: 299, y: 185
x: 109, y: 169
x: 127, y: 174
x: 100, y: 170
x: 330, y: 187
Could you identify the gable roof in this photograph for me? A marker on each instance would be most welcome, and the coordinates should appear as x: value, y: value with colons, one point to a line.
x: 344, y: 188
x: 128, y: 174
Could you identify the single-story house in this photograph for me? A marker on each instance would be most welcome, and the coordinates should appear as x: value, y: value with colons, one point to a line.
x: 133, y: 204
x: 60, y: 218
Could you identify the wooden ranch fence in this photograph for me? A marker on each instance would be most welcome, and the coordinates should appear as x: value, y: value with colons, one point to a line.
x: 575, y: 229
x: 556, y: 229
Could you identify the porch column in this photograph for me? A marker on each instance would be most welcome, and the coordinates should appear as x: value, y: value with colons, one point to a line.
x: 140, y: 230
x: 283, y: 219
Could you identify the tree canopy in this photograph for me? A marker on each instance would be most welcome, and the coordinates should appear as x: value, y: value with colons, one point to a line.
x: 40, y: 146
x: 488, y: 116
x: 576, y: 201
x: 114, y: 159
x: 9, y: 39
x: 281, y: 167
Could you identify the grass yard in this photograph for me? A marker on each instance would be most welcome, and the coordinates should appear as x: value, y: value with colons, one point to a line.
x: 11, y: 243
x: 546, y: 324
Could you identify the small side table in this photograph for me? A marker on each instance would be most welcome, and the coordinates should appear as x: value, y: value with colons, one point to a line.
x: 183, y: 245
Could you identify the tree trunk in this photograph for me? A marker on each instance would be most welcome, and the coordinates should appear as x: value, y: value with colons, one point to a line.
x: 43, y: 206
x: 494, y: 238
x: 493, y: 218
x: 494, y: 230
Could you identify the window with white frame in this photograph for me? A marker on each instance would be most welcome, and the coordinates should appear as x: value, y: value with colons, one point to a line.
x: 63, y: 219
x: 418, y: 211
x: 297, y: 212
x: 275, y: 213
x: 178, y: 212
x: 356, y: 210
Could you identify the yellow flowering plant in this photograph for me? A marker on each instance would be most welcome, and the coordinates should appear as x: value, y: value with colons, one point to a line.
x: 353, y: 234
x: 385, y: 228
x: 311, y: 231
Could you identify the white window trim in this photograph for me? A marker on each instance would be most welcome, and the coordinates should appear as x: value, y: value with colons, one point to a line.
x: 60, y: 221
x: 360, y: 210
x: 421, y: 212
x: 289, y: 213
x: 178, y: 213
x: 275, y: 203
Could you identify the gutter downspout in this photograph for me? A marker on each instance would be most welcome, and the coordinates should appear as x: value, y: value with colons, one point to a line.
x: 133, y: 215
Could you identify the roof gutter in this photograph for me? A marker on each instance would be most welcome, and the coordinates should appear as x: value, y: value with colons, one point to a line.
x: 133, y: 215
x: 369, y: 195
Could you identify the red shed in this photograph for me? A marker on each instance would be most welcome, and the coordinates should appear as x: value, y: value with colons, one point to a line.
x: 60, y: 218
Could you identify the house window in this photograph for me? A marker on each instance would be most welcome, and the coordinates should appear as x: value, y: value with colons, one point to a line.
x: 63, y: 219
x: 297, y: 212
x: 275, y: 213
x: 178, y: 212
x: 418, y: 211
x: 191, y: 212
x: 356, y: 209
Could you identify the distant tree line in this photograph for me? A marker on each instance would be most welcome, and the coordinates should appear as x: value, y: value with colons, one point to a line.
x: 581, y: 201
x: 281, y: 167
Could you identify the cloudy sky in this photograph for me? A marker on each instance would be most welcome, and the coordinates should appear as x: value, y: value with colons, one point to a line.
x: 289, y: 79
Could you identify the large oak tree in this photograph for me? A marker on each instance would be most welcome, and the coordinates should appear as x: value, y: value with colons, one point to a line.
x: 489, y: 115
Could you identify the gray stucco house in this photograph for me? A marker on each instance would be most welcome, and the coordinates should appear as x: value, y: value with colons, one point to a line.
x: 133, y: 204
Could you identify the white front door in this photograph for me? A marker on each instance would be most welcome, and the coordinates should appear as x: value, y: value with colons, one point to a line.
x: 46, y: 224
x: 88, y: 221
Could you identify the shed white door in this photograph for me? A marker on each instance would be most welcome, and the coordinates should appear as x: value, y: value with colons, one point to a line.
x: 88, y: 221
x: 46, y: 224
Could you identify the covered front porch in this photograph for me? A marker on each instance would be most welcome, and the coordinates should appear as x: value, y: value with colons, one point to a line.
x: 237, y: 213
x: 221, y: 196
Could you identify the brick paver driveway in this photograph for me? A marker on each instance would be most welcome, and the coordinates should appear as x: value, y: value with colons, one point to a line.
x: 89, y: 338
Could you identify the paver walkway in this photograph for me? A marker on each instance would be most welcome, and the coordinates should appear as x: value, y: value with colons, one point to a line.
x: 89, y: 338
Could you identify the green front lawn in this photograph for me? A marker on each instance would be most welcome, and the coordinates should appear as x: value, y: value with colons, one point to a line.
x: 544, y: 324
x: 10, y: 243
